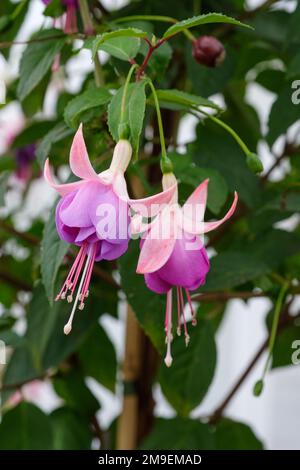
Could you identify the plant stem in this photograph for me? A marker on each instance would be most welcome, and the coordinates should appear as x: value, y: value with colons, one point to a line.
x: 277, y: 311
x: 163, y: 19
x: 229, y: 130
x: 86, y: 17
x: 159, y: 122
x: 125, y: 93
x: 98, y: 71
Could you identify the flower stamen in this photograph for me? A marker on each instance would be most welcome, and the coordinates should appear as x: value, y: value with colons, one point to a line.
x: 168, y: 327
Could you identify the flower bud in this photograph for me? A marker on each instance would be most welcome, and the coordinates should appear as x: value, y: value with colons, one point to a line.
x: 254, y: 163
x: 209, y: 51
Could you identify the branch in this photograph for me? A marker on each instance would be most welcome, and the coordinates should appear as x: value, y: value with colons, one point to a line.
x: 15, y: 282
x: 27, y: 237
x: 286, y: 319
x: 288, y: 151
x: 5, y: 44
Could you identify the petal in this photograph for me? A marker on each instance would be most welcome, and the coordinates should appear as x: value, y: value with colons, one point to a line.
x: 151, y: 206
x: 188, y: 264
x: 79, y: 160
x: 156, y: 249
x: 62, y: 189
x: 82, y: 208
x: 195, y: 226
x: 155, y: 283
x: 120, y: 186
x: 111, y: 251
x: 137, y: 225
x: 208, y: 226
x: 198, y: 198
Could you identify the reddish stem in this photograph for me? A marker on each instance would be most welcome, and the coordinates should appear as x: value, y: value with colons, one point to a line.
x: 152, y: 48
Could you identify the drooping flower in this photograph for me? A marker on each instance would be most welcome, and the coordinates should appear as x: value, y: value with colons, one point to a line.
x: 173, y: 254
x: 93, y: 214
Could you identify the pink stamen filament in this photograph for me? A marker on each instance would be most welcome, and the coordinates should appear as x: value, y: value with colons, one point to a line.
x: 68, y: 325
x: 168, y: 323
x: 194, y: 319
x: 74, y: 281
x: 178, y: 312
x: 186, y: 335
x: 68, y: 282
x: 85, y: 291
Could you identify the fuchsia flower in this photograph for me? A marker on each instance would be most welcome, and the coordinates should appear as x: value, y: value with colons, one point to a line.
x: 93, y: 214
x: 173, y: 255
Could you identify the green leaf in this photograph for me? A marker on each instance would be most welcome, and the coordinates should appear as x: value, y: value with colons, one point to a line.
x: 91, y: 98
x: 186, y: 383
x: 122, y: 48
x: 70, y: 431
x: 274, y: 247
x: 118, y: 33
x: 175, y: 99
x: 232, y: 268
x: 72, y: 389
x: 4, y: 176
x: 207, y: 81
x: 51, y: 346
x: 37, y: 60
x: 248, y: 261
x: 134, y: 112
x: 232, y: 435
x: 58, y: 133
x: 286, y: 351
x: 180, y: 434
x: 53, y: 251
x: 283, y: 114
x: 14, y: 15
x: 20, y: 368
x: 200, y: 20
x: 54, y: 9
x: 214, y: 148
x: 98, y: 358
x: 271, y: 79
x: 294, y: 67
x: 32, y: 133
x: 26, y: 427
x: 148, y: 307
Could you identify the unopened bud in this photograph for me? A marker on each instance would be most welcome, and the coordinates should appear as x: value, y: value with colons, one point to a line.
x: 209, y: 51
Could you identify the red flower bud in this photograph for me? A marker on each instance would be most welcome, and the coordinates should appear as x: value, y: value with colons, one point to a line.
x: 209, y: 51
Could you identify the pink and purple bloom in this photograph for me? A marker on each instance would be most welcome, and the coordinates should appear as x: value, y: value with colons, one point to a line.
x: 93, y: 214
x: 173, y: 254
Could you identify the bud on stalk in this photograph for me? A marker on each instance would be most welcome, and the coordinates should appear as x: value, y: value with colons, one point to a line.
x: 209, y: 51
